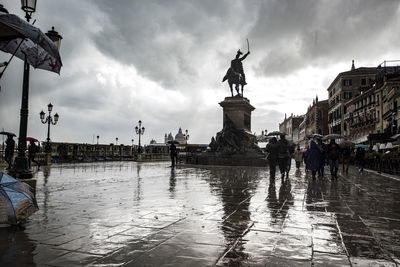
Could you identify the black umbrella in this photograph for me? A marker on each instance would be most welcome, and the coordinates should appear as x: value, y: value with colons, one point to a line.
x: 21, y: 39
x: 7, y: 133
x: 310, y: 136
x: 276, y: 133
x: 332, y: 136
x: 396, y: 136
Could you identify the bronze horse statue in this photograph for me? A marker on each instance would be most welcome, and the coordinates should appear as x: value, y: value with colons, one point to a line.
x: 234, y: 78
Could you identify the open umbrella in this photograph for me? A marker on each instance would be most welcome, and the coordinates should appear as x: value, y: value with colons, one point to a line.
x: 31, y: 139
x: 7, y: 133
x: 310, y: 136
x: 276, y: 133
x: 21, y: 39
x: 17, y: 202
x: 362, y: 146
x: 396, y: 136
x: 332, y: 136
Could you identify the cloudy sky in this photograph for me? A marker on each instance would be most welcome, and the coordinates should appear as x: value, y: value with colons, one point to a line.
x: 162, y: 62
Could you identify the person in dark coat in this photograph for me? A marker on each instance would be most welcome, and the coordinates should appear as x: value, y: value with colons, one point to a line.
x: 346, y: 157
x: 33, y: 149
x: 360, y: 159
x: 9, y: 151
x: 173, y: 154
x: 333, y: 158
x: 322, y: 147
x: 314, y: 155
x: 283, y: 156
x: 273, y: 151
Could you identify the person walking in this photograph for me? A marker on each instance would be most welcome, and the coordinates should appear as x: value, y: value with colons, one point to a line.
x: 9, y: 151
x: 322, y: 147
x: 360, y: 159
x: 273, y: 150
x: 333, y: 158
x: 314, y: 158
x: 298, y: 156
x: 283, y: 156
x: 32, y: 150
x: 346, y: 157
x: 173, y: 154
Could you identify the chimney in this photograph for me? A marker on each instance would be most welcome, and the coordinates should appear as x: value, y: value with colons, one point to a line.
x: 352, y: 65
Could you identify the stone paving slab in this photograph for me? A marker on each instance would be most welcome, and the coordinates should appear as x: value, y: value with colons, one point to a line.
x: 146, y: 214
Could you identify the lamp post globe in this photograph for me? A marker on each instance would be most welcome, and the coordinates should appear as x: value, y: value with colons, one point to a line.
x: 29, y: 7
x: 55, y: 37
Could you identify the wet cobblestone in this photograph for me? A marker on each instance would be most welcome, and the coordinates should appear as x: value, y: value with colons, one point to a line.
x: 145, y: 214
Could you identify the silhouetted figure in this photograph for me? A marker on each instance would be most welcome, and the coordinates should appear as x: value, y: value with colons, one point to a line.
x: 33, y: 149
x: 346, y: 156
x: 360, y: 158
x: 314, y: 155
x: 283, y: 156
x: 9, y: 151
x: 298, y: 156
x: 173, y: 153
x: 273, y: 151
x: 235, y: 74
x: 322, y: 147
x: 333, y: 158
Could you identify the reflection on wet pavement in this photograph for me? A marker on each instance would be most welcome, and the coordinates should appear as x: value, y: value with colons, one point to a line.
x: 145, y: 214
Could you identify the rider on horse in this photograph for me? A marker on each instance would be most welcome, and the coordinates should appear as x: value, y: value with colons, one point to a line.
x: 235, y: 74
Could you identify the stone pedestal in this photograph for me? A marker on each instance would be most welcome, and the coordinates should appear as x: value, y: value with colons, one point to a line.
x: 234, y: 145
x: 238, y: 110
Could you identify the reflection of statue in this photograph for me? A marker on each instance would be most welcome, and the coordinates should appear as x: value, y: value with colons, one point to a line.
x: 235, y: 74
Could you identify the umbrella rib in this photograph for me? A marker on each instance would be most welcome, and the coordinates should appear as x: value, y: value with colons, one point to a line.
x: 9, y: 199
x: 8, y: 62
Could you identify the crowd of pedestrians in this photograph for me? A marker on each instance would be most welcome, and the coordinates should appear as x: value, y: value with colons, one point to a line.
x: 315, y: 157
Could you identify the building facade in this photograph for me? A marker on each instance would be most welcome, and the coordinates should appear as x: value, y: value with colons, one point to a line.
x: 316, y: 118
x: 360, y: 118
x: 289, y: 125
x: 345, y: 87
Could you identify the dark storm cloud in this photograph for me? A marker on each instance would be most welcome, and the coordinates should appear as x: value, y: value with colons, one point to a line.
x: 297, y: 34
x: 165, y: 39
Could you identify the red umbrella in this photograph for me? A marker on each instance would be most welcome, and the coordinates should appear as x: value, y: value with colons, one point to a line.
x: 31, y: 139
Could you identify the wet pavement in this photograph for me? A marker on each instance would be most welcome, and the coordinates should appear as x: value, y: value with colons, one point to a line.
x: 145, y: 214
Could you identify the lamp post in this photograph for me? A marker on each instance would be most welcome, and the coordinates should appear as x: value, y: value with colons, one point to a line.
x: 21, y: 166
x: 97, y: 147
x: 186, y: 135
x: 139, y: 131
x: 116, y: 141
x: 49, y: 120
x: 132, y: 147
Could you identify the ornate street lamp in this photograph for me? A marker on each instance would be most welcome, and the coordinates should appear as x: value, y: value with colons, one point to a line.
x: 21, y: 166
x: 49, y: 120
x: 29, y: 7
x: 139, y: 131
x: 186, y: 135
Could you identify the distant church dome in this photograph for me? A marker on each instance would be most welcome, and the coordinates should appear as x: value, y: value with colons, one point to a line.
x: 180, y: 137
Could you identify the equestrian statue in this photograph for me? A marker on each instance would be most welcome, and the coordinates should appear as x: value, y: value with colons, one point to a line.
x: 235, y: 74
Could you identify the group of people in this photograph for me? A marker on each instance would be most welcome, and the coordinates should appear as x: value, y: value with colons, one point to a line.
x: 279, y: 154
x: 315, y: 157
x: 9, y: 152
